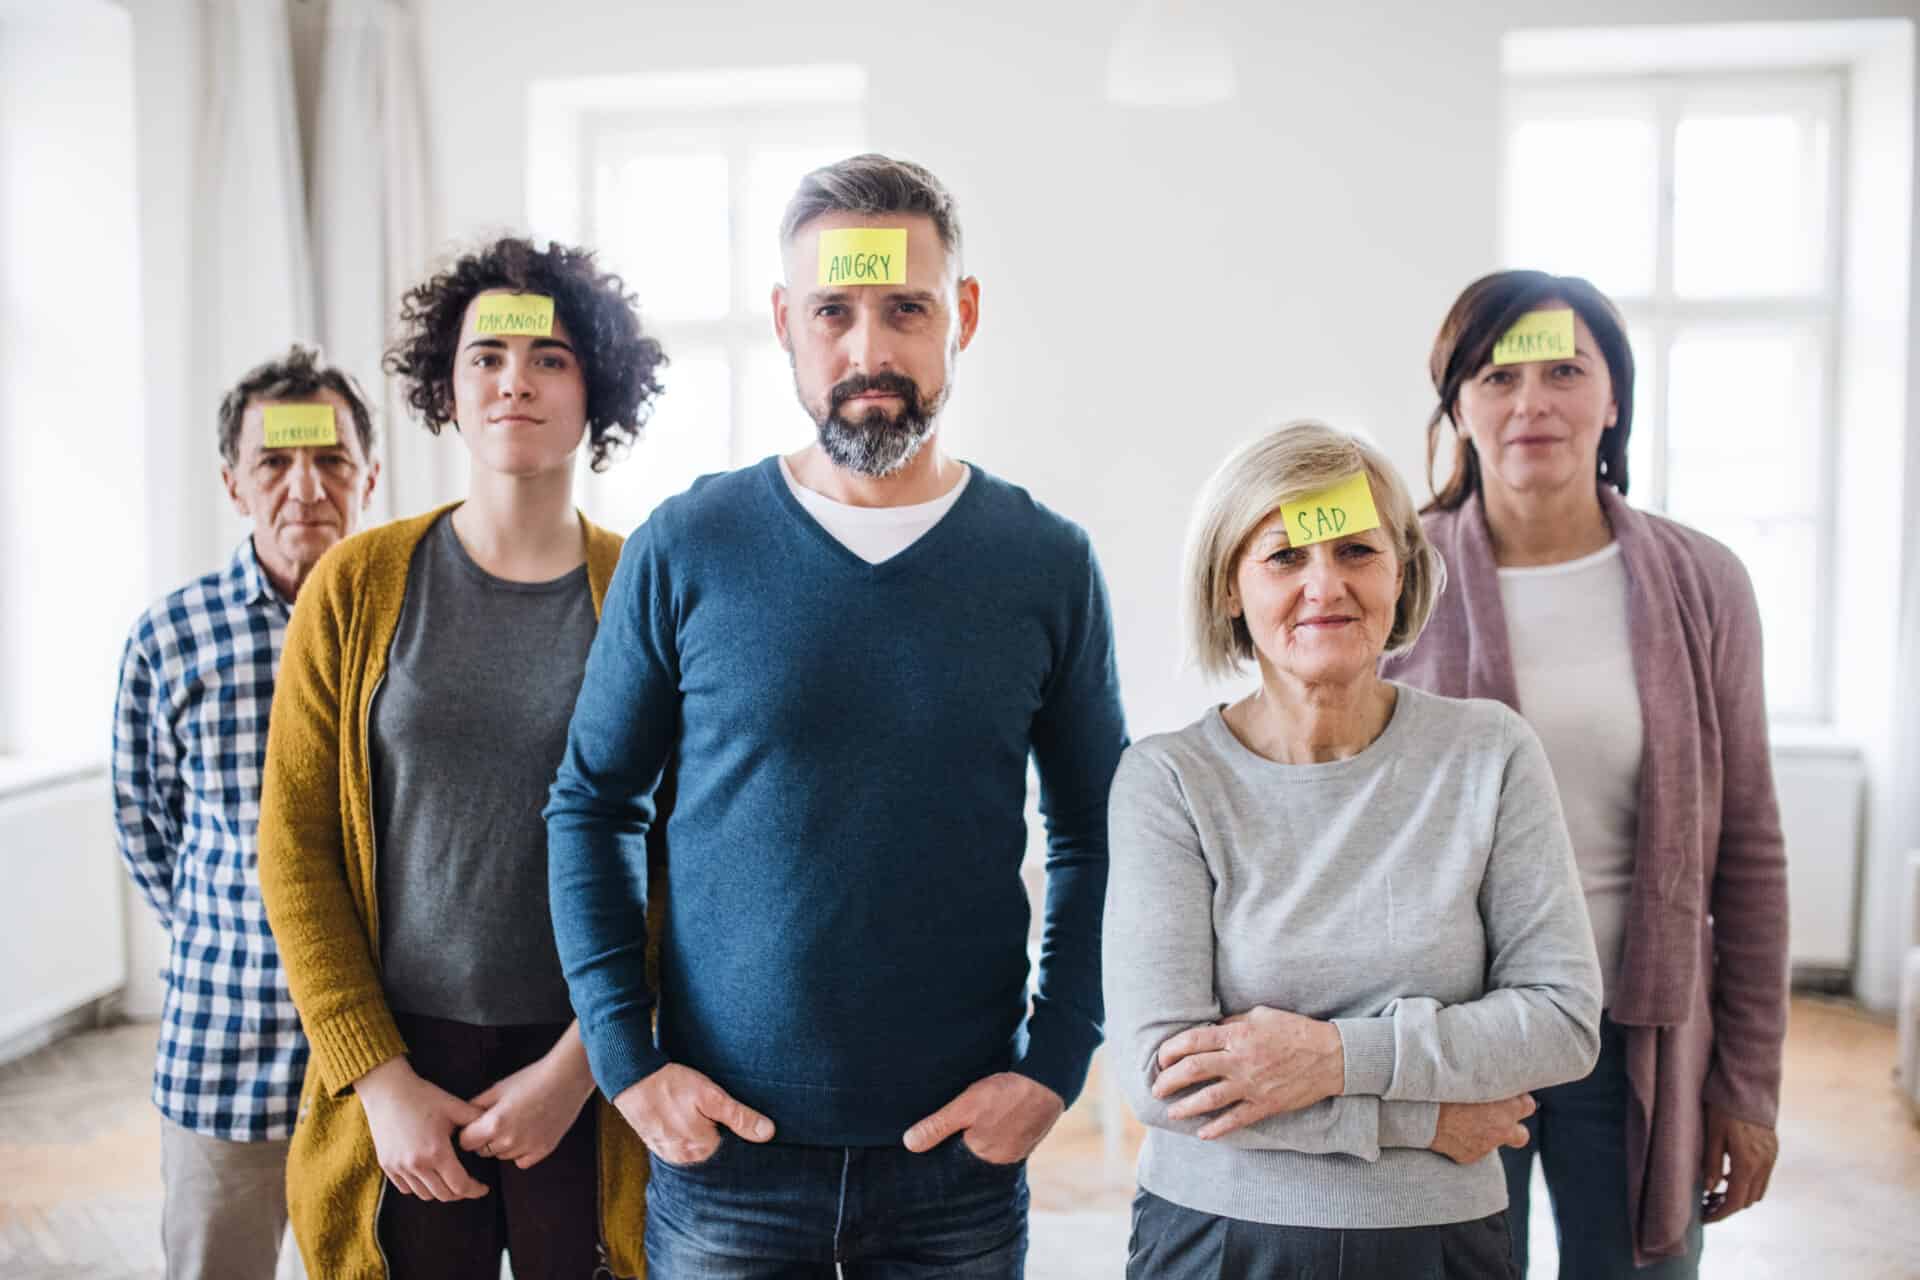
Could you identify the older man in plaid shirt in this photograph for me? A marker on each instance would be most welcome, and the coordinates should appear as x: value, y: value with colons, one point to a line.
x: 189, y: 741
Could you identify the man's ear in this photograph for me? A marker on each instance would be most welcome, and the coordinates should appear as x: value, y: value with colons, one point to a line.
x: 779, y: 301
x: 969, y: 304
x: 233, y: 490
x: 373, y: 478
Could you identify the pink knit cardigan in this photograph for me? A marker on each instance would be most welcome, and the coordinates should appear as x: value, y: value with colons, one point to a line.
x: 1703, y: 981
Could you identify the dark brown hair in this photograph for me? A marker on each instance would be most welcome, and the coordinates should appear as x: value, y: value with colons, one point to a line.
x: 1484, y: 311
x: 297, y: 375
x: 621, y: 365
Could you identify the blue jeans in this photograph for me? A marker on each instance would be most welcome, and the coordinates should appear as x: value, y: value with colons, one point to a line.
x: 780, y: 1212
x: 1580, y: 1135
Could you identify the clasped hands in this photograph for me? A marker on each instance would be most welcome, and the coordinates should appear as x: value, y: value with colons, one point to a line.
x: 1265, y: 1062
x: 521, y: 1118
x: 679, y: 1112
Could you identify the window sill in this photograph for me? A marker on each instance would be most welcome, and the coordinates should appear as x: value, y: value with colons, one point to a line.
x: 22, y: 774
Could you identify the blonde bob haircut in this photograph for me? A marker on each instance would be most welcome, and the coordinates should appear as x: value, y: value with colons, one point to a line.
x: 1298, y: 459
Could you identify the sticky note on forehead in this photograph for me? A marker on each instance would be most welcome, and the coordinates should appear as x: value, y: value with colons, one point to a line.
x: 526, y: 315
x: 1334, y: 512
x: 1537, y: 335
x: 293, y: 426
x: 863, y: 255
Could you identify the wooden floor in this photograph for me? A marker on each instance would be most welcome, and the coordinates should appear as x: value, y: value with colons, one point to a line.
x: 80, y: 1194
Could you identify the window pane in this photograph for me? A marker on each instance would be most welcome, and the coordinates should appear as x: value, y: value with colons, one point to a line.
x: 1749, y: 205
x: 772, y: 175
x: 686, y: 439
x: 1780, y: 554
x: 1744, y: 415
x: 772, y: 420
x: 1581, y: 200
x: 661, y: 222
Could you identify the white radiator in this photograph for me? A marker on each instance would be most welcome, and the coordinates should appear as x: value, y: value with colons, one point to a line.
x: 62, y: 938
x: 1822, y: 793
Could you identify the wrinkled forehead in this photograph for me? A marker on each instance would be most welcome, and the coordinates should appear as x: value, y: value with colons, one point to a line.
x: 848, y: 250
x: 253, y: 422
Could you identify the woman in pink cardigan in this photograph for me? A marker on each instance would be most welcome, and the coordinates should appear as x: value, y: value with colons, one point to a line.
x: 1631, y: 643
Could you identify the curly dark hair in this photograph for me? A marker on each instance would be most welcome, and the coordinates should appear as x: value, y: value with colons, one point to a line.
x: 300, y: 373
x: 621, y: 364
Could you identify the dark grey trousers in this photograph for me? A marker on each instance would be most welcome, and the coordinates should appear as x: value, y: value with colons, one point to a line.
x: 1170, y: 1242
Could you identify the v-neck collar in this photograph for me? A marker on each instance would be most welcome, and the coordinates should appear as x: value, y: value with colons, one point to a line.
x: 901, y: 562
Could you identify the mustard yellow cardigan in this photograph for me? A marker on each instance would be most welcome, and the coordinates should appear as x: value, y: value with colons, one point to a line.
x: 317, y: 879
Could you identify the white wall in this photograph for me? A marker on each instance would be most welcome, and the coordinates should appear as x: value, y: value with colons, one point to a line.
x: 1879, y: 524
x: 1158, y: 283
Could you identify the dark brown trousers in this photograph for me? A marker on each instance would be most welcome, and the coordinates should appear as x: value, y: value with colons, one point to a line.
x: 546, y: 1217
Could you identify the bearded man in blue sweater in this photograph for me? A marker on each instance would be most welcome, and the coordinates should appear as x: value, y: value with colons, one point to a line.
x: 845, y: 658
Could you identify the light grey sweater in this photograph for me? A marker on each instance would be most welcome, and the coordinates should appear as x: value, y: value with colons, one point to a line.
x: 1422, y: 895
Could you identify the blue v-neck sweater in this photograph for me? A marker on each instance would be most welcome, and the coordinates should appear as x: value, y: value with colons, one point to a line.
x: 844, y: 944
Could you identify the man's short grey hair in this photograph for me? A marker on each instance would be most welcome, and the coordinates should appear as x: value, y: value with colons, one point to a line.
x: 300, y: 374
x: 1283, y: 466
x: 871, y: 185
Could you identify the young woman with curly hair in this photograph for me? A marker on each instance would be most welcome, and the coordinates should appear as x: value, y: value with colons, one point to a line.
x: 429, y: 674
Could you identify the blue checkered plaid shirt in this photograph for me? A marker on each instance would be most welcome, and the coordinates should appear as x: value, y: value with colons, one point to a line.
x: 189, y: 742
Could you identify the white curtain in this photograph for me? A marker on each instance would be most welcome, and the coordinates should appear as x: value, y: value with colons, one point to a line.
x: 255, y: 291
x: 368, y: 199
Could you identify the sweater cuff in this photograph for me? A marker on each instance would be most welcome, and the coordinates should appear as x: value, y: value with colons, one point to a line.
x: 1062, y: 1068
x: 348, y: 1045
x: 1755, y: 1105
x: 621, y: 1052
x: 1367, y: 1046
x: 1409, y: 1124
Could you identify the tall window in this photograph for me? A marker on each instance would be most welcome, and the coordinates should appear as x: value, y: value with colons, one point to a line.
x: 75, y: 424
x: 682, y: 194
x: 1708, y: 209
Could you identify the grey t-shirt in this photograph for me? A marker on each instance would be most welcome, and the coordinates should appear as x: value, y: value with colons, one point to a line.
x: 1421, y: 895
x: 468, y: 727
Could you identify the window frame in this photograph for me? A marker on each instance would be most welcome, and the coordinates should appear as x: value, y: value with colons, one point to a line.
x: 577, y: 124
x: 1663, y: 316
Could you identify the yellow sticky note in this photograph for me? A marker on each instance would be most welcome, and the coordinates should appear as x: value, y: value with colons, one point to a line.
x: 1537, y: 335
x: 863, y: 255
x: 292, y: 426
x: 523, y: 315
x: 1333, y: 512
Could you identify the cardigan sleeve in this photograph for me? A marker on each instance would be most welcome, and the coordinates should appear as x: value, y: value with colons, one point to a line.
x: 1748, y: 892
x: 323, y: 940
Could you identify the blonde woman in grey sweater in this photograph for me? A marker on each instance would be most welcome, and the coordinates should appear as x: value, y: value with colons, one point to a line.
x: 1344, y: 934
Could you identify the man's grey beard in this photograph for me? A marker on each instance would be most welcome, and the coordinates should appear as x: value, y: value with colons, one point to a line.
x: 875, y: 445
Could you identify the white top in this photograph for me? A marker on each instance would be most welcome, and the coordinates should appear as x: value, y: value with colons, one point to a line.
x: 875, y: 533
x: 1573, y: 669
